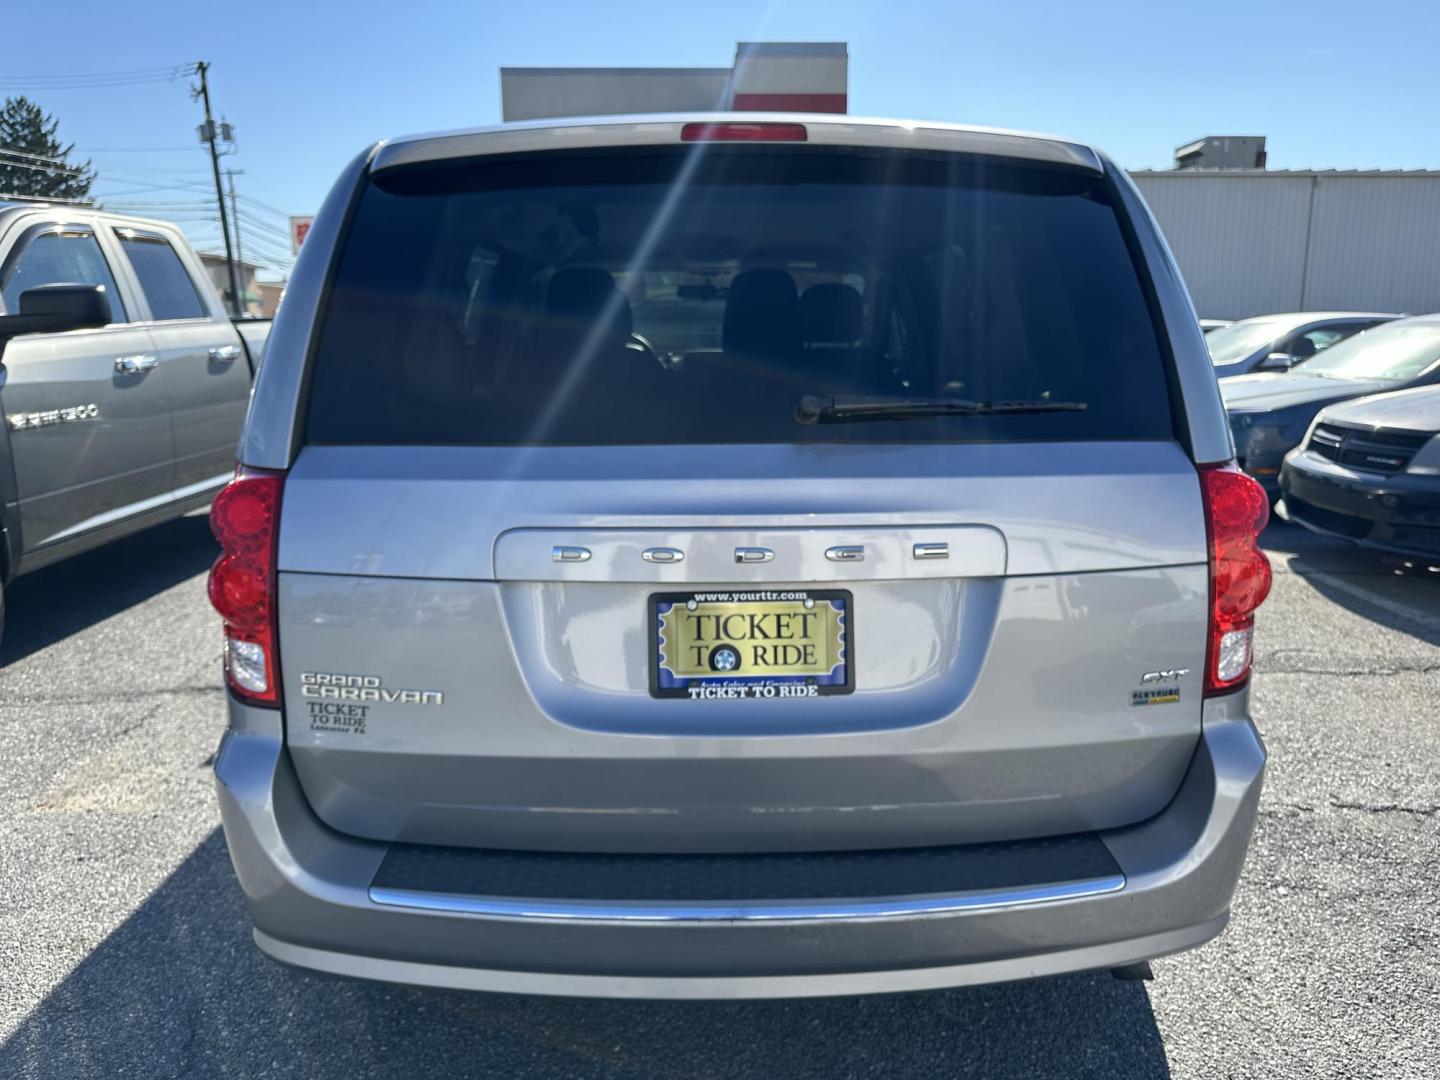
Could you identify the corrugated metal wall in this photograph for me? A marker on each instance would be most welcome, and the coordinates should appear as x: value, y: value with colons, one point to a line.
x: 1251, y: 243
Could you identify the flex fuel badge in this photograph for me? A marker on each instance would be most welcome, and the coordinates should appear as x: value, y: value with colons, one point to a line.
x: 1165, y: 695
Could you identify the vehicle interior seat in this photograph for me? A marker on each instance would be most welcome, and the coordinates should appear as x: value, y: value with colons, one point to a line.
x: 760, y: 344
x: 832, y: 318
x: 762, y: 316
x: 581, y: 351
x: 583, y: 306
x: 1301, y: 348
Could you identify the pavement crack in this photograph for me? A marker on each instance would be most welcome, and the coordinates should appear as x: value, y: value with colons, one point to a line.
x: 1274, y: 664
x: 1285, y: 809
x: 1386, y: 808
x: 200, y: 690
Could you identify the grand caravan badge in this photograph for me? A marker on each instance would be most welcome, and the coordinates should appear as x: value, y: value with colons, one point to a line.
x: 329, y: 686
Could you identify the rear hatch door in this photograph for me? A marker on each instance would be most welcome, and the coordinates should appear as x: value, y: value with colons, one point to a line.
x: 554, y: 470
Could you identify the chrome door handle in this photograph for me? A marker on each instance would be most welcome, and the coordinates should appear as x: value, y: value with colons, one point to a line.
x: 131, y: 365
x: 224, y: 353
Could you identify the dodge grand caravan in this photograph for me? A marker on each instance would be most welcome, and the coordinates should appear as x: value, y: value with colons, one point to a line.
x: 736, y: 556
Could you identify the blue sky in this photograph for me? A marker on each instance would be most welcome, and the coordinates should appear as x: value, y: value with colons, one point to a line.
x: 310, y: 82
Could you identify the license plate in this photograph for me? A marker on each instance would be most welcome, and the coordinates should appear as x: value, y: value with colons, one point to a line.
x: 765, y: 644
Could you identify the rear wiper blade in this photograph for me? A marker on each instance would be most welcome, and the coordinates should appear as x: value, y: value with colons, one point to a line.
x: 838, y: 410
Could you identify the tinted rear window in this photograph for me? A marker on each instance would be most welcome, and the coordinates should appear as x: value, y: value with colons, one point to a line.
x: 164, y: 278
x: 695, y: 295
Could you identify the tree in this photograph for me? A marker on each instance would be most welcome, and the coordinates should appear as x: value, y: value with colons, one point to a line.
x: 32, y: 160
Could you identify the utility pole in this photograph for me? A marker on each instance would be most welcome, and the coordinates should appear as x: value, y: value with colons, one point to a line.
x: 208, y: 134
x: 230, y: 175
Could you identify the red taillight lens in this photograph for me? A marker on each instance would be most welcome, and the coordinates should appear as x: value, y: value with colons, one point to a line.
x: 245, y: 518
x: 1236, y: 511
x: 733, y: 131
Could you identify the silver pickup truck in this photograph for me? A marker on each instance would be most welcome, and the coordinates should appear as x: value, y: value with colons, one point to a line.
x: 123, y: 382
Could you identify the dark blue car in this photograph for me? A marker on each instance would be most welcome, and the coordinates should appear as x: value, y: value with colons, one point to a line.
x: 1369, y: 471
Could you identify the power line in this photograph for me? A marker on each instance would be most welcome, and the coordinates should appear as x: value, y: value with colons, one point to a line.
x: 267, y: 206
x: 279, y: 243
x: 265, y: 257
x: 32, y: 157
x: 268, y: 215
x: 61, y: 164
x: 42, y: 199
x: 146, y: 186
x: 275, y: 247
x: 136, y: 149
x: 193, y: 214
x: 95, y: 79
x: 163, y: 203
x: 126, y: 73
x: 265, y: 227
x: 49, y: 170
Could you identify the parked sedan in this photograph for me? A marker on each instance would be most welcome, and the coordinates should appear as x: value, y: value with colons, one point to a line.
x: 1369, y: 471
x: 1270, y: 413
x: 1279, y: 342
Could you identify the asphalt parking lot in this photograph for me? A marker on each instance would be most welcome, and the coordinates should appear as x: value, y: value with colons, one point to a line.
x: 126, y: 952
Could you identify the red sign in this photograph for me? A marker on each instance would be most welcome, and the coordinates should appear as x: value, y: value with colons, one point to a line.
x: 299, y: 226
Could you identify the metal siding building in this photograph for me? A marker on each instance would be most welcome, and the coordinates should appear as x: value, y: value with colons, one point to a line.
x: 1250, y: 242
x: 539, y: 93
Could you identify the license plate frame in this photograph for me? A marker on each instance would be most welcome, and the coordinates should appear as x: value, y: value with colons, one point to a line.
x: 666, y: 682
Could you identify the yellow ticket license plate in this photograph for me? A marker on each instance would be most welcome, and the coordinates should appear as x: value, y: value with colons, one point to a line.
x: 756, y: 644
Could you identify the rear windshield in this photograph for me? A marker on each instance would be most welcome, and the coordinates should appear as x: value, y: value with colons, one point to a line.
x: 698, y: 295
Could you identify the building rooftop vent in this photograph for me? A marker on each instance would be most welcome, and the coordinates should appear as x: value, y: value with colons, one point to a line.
x: 1222, y: 152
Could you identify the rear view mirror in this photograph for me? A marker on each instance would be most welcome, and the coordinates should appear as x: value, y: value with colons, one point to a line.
x: 1278, y: 361
x: 50, y: 309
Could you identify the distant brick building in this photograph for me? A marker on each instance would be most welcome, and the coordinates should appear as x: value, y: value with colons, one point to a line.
x: 260, y: 298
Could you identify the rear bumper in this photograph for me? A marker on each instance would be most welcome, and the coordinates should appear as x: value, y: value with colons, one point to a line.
x: 1399, y: 514
x: 310, y: 895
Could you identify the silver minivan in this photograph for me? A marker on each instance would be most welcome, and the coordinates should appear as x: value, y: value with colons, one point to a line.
x: 739, y: 555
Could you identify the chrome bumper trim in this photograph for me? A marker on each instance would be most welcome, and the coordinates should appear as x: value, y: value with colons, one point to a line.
x: 719, y: 911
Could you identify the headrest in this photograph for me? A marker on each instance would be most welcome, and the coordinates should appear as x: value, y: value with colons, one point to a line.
x: 580, y: 298
x: 762, y: 313
x: 832, y: 314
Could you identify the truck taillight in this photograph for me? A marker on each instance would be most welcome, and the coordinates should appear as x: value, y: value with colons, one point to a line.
x: 1236, y: 511
x: 245, y: 519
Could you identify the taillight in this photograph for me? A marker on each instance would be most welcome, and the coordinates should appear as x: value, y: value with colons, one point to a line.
x: 245, y: 518
x: 738, y: 131
x: 1236, y: 511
